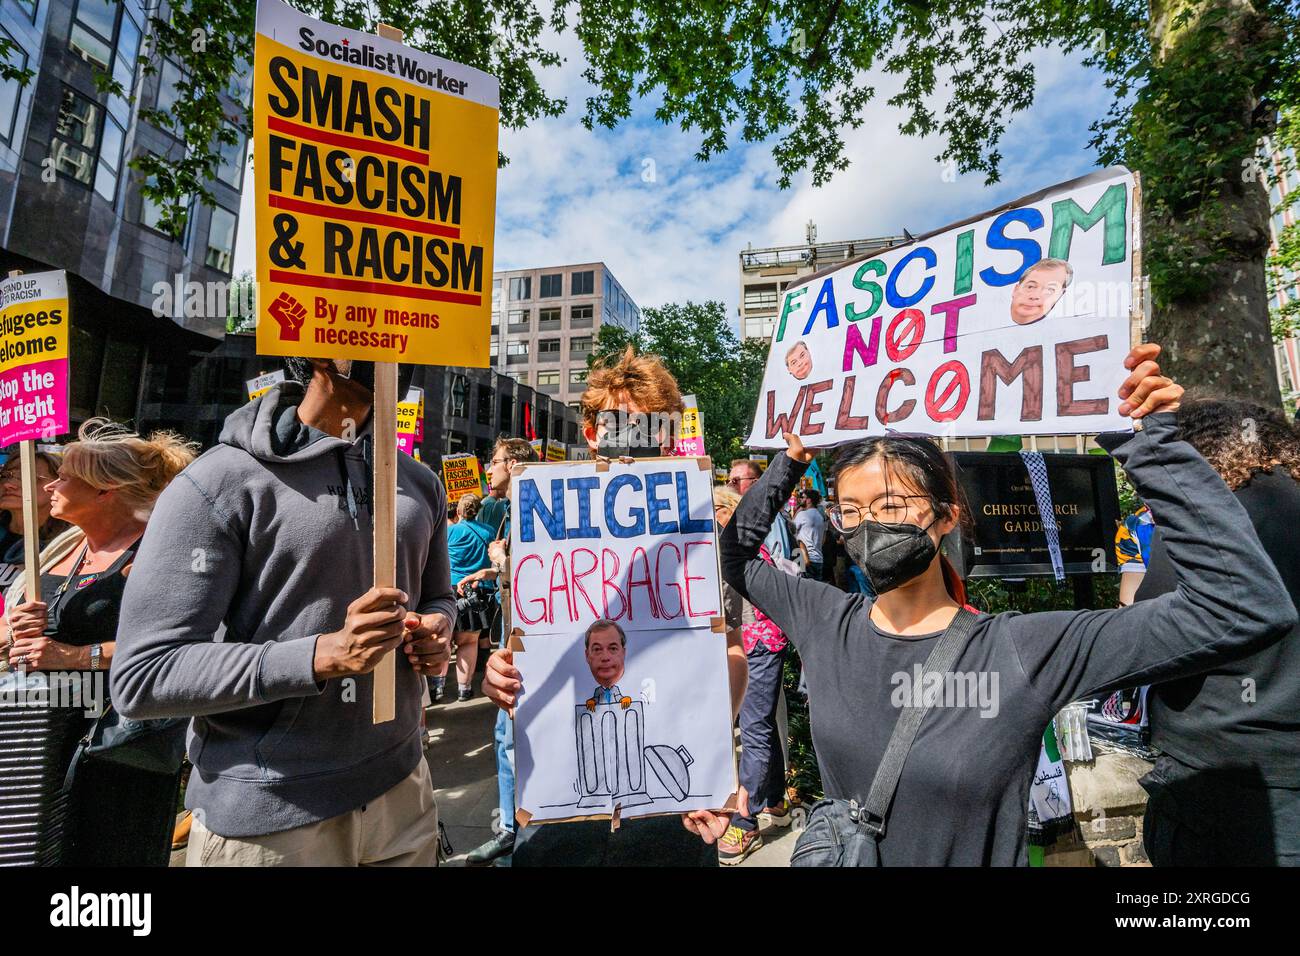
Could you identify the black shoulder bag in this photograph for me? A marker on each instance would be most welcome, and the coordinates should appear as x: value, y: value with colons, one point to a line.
x: 156, y: 745
x: 846, y: 833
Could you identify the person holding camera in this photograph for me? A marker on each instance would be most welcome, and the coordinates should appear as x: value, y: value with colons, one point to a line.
x: 467, y: 544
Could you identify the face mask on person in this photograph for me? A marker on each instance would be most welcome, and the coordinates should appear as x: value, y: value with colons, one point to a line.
x: 890, y: 555
x: 363, y: 373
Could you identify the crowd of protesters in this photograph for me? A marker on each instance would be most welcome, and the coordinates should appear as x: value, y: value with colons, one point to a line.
x: 226, y: 598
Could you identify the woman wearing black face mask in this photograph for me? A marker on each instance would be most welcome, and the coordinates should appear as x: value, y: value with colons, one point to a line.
x: 962, y: 794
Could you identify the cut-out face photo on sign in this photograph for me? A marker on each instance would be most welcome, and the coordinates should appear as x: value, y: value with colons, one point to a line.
x: 798, y: 361
x: 606, y: 649
x: 1039, y: 289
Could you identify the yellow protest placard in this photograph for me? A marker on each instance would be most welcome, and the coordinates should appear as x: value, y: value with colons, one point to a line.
x: 376, y: 195
x: 410, y: 422
x: 690, y: 437
x: 555, y: 450
x: 461, y: 475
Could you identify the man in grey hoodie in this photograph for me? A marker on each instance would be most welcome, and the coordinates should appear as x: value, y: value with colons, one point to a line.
x: 248, y: 609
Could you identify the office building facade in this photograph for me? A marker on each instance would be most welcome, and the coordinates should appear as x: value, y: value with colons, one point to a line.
x: 544, y: 324
x: 69, y: 200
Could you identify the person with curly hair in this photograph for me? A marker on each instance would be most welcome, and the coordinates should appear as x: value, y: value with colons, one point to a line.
x: 1227, y: 788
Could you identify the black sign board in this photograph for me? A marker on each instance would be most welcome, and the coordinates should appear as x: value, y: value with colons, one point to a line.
x: 1006, y: 537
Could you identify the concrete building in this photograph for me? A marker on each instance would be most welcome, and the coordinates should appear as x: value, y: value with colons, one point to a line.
x: 68, y: 199
x: 765, y: 273
x: 544, y: 324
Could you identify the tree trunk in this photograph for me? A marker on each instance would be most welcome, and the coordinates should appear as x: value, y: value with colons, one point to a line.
x: 1218, y: 342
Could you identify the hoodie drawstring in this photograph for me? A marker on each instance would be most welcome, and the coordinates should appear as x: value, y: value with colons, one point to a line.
x: 348, y: 493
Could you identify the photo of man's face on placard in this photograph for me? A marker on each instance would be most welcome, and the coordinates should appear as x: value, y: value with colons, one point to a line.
x: 606, y: 653
x: 1039, y: 289
x: 798, y: 361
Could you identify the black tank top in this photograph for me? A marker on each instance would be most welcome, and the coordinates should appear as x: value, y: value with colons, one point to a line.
x: 88, y: 609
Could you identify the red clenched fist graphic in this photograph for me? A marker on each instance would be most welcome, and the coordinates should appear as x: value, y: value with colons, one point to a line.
x: 289, y: 312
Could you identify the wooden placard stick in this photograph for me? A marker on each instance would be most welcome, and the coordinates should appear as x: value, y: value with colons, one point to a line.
x: 384, y: 484
x: 1139, y: 320
x: 31, y: 514
x: 383, y: 417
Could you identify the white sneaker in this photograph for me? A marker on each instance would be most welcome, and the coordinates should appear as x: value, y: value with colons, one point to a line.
x: 776, y: 816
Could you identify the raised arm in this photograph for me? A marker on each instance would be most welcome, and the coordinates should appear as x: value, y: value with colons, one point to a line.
x: 800, y: 607
x: 183, y: 580
x: 1229, y: 600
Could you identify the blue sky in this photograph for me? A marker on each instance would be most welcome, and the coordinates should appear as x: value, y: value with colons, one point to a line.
x: 570, y: 195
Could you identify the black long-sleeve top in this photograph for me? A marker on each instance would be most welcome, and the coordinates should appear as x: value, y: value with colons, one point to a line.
x: 963, y: 793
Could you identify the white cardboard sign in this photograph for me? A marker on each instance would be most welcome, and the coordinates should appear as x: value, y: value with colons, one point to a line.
x: 633, y: 718
x: 630, y: 542
x: 1014, y: 322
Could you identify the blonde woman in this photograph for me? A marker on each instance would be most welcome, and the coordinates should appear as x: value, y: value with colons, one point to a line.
x: 105, y: 488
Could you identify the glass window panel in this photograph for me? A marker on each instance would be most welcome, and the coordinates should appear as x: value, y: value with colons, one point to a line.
x: 98, y: 15
x: 124, y: 72
x: 106, y: 181
x: 230, y: 169
x: 128, y: 36
x: 90, y: 47
x: 110, y: 151
x: 168, y: 77
x: 128, y: 48
x: 10, y: 92
x: 241, y: 81
x: 119, y: 109
x: 73, y: 162
x: 78, y: 120
x: 221, y: 239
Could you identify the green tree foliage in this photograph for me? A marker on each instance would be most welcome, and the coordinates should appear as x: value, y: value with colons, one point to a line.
x: 789, y: 71
x: 705, y: 356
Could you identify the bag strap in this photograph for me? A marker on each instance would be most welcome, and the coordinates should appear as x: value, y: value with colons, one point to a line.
x: 82, y: 746
x: 873, y: 813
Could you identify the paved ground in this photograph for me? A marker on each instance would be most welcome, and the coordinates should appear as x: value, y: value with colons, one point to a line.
x: 463, y: 765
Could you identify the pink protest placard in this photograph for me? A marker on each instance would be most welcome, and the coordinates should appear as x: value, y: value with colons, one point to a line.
x: 33, y: 357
